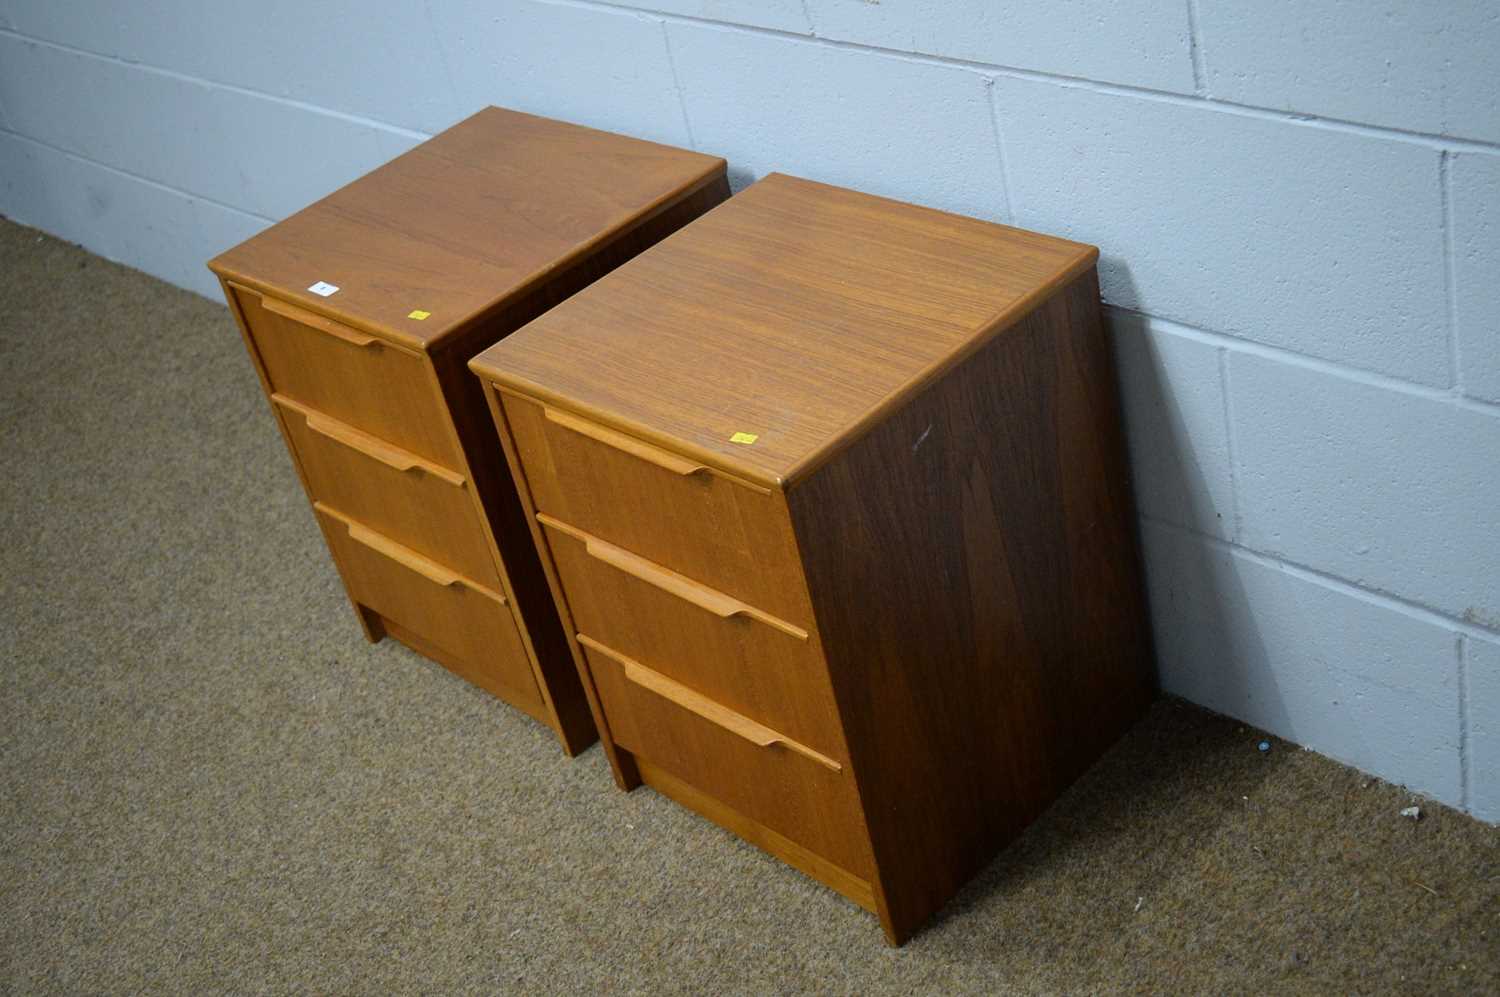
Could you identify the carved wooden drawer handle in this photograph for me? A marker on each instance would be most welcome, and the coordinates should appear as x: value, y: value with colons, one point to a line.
x: 715, y: 713
x: 626, y: 444
x: 700, y: 595
x: 316, y: 321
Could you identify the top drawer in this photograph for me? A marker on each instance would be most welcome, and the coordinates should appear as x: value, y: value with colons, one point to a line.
x: 730, y: 535
x: 367, y: 382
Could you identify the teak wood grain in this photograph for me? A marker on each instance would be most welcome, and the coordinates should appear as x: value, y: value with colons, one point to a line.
x: 465, y: 223
x: 929, y: 485
x: 436, y: 255
x: 794, y: 314
x: 994, y: 642
x: 726, y: 532
x: 420, y: 505
x: 742, y: 662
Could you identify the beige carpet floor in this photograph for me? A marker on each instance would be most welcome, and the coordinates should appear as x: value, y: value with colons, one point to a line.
x: 209, y: 782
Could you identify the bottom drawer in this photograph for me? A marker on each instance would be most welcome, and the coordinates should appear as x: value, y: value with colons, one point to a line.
x: 470, y: 625
x: 754, y: 770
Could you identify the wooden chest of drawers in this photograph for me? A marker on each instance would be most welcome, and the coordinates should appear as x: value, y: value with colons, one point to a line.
x: 360, y: 314
x: 831, y: 493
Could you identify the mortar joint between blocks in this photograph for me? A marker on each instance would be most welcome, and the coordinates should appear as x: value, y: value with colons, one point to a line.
x: 687, y: 123
x: 1195, y: 50
x: 1450, y: 264
x: 1463, y: 722
x: 1229, y: 450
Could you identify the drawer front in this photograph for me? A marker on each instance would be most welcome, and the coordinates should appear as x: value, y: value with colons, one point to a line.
x: 407, y: 498
x: 472, y: 625
x: 353, y: 377
x: 751, y: 662
x: 729, y: 535
x: 750, y: 767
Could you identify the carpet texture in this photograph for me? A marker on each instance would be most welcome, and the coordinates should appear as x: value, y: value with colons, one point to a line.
x: 212, y: 783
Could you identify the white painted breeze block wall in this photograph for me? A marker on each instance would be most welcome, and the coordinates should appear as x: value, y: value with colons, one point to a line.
x: 1298, y: 203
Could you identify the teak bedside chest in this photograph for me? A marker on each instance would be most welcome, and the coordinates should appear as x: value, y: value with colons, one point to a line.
x: 831, y: 492
x: 360, y: 313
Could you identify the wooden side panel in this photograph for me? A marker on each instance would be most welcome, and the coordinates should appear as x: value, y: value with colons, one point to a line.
x: 508, y: 530
x: 973, y: 570
x: 506, y: 516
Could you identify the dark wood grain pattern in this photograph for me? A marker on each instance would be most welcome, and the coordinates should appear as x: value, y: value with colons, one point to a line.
x: 880, y: 636
x: 484, y: 227
x: 973, y: 572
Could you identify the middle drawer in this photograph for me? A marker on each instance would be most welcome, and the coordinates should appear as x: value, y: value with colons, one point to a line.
x: 749, y: 660
x: 413, y: 501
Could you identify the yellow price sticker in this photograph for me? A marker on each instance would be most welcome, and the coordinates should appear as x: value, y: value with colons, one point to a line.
x: 745, y: 438
x: 417, y: 314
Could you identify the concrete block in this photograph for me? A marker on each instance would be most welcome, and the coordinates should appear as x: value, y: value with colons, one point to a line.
x: 1389, y: 490
x: 781, y: 15
x: 1426, y: 67
x: 258, y: 155
x: 167, y: 234
x: 332, y: 53
x: 1142, y: 44
x: 1482, y: 661
x: 606, y: 69
x: 1174, y: 419
x: 876, y: 123
x: 1474, y: 186
x: 1355, y: 680
x: 1324, y: 242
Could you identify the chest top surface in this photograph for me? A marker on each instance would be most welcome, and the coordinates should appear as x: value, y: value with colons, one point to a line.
x: 792, y: 313
x: 464, y: 222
